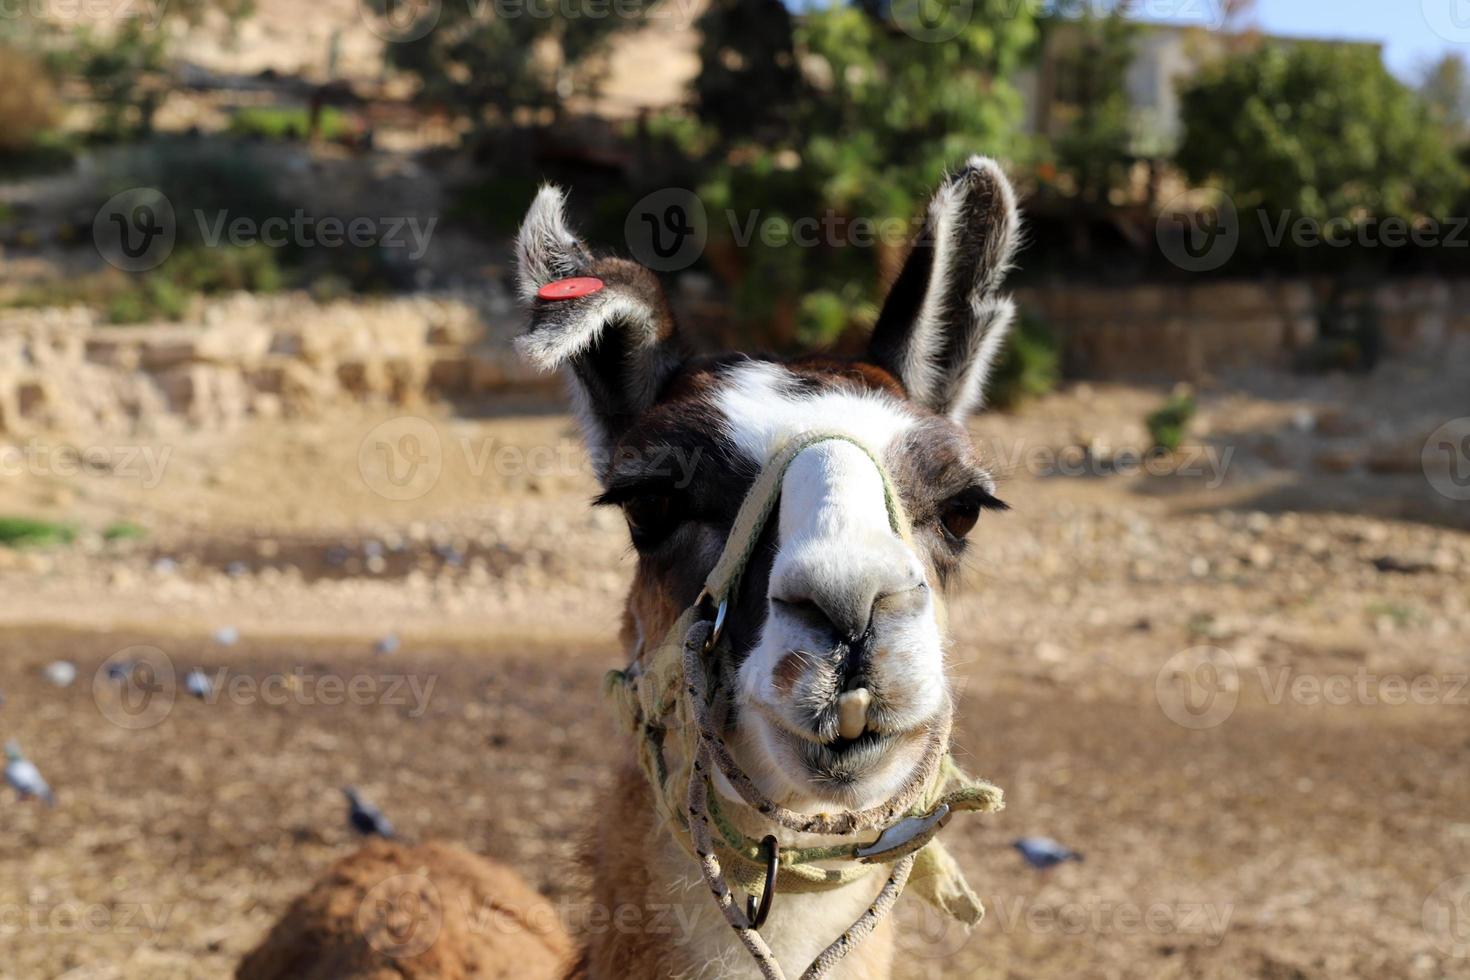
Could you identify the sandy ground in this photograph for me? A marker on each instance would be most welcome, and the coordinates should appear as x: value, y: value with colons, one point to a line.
x: 1239, y: 690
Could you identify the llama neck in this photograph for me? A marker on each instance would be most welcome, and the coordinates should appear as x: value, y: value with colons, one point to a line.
x: 652, y: 914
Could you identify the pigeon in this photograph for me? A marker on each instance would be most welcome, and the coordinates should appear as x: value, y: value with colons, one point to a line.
x: 23, y: 776
x: 61, y: 673
x: 387, y: 644
x: 196, y: 682
x: 1043, y: 852
x: 227, y: 636
x: 365, y: 818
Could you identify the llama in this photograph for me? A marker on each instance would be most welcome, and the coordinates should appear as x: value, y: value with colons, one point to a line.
x: 787, y: 689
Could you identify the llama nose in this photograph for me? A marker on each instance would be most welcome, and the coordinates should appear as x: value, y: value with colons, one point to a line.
x: 840, y: 608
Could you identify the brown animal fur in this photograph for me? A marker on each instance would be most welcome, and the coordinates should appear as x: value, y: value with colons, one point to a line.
x: 480, y: 921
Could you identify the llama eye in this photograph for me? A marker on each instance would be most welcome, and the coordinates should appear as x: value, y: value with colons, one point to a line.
x: 958, y: 517
x: 651, y: 518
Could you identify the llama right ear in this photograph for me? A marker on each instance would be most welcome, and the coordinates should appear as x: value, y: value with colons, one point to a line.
x: 618, y: 341
x: 944, y: 320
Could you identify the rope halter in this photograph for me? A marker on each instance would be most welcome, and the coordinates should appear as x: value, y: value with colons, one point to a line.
x: 666, y: 700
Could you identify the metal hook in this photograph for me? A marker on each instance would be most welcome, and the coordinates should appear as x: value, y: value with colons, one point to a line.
x: 757, y: 914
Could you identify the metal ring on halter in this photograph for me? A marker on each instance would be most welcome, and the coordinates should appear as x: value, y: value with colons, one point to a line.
x: 757, y: 914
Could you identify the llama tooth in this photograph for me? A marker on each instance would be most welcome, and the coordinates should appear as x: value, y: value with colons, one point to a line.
x: 852, y: 712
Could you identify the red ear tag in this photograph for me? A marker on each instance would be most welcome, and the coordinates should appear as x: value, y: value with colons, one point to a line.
x: 569, y: 288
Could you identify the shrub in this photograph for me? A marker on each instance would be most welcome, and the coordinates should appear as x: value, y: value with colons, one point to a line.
x: 124, y: 531
x: 282, y: 123
x: 1168, y: 425
x: 28, y: 102
x: 1030, y: 366
x: 18, y: 532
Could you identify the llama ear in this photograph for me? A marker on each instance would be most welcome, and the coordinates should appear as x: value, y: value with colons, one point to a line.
x: 944, y: 320
x: 618, y: 341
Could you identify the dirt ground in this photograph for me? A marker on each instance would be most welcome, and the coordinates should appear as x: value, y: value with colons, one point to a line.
x: 1238, y: 688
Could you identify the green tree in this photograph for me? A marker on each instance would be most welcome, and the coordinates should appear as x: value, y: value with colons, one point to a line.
x: 1446, y: 87
x: 1316, y: 130
x: 891, y: 97
x: 1095, y: 145
x: 748, y: 79
x: 505, y: 57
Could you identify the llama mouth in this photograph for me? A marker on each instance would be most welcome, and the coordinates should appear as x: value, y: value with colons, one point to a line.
x: 843, y: 762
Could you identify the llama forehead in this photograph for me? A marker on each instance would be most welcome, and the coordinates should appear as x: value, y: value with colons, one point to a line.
x: 763, y: 405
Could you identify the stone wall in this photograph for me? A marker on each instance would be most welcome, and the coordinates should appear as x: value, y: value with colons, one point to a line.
x: 64, y: 370
x: 250, y: 355
x: 1187, y: 331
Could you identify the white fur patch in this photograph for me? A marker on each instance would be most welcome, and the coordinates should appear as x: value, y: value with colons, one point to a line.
x: 836, y: 549
x: 760, y: 417
x: 545, y: 243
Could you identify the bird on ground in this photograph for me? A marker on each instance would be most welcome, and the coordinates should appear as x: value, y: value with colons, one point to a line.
x: 197, y: 683
x: 387, y: 644
x: 61, y: 672
x: 1043, y: 852
x: 22, y: 776
x: 365, y: 818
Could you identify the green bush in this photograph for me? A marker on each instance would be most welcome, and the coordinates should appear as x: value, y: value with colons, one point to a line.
x: 881, y: 115
x: 283, y: 123
x: 1029, y: 367
x: 1168, y: 426
x: 16, y: 532
x: 124, y: 531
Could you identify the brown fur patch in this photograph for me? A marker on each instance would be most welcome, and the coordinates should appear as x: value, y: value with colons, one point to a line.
x: 491, y: 924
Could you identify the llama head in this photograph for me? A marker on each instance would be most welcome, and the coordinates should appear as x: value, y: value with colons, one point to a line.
x: 835, y: 600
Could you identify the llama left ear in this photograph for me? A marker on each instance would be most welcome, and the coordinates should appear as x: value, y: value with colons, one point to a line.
x: 611, y: 325
x: 944, y: 320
